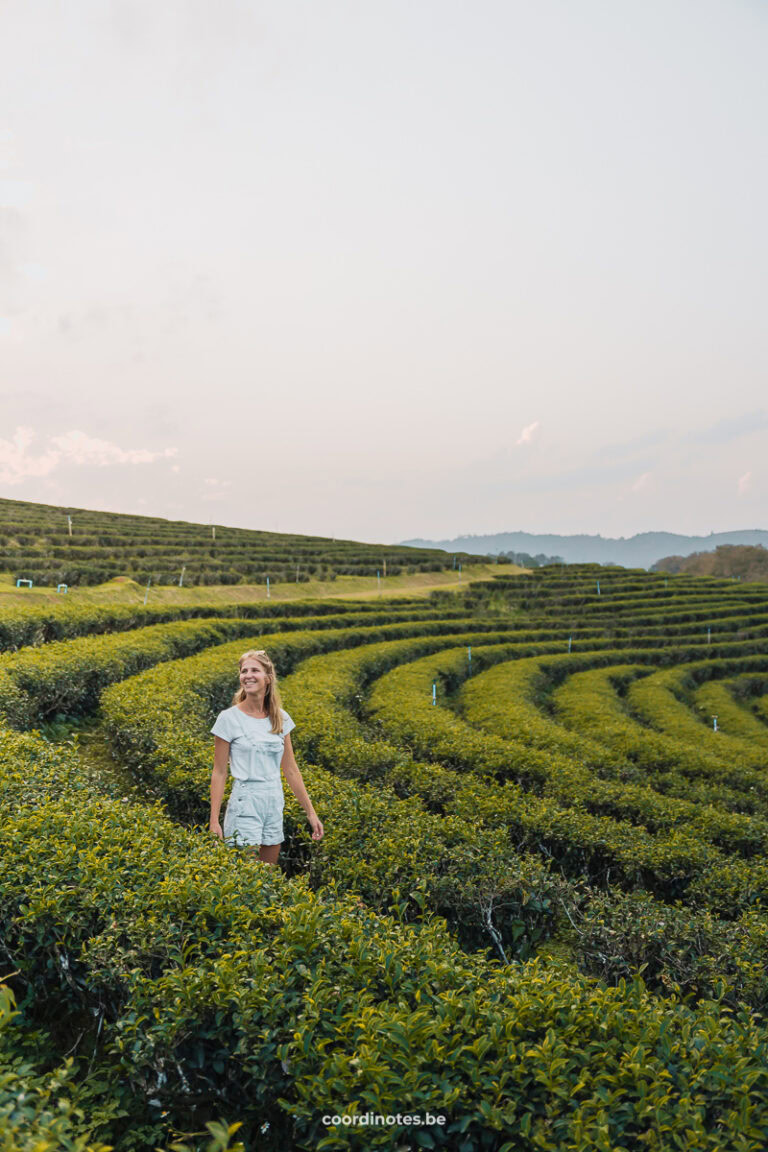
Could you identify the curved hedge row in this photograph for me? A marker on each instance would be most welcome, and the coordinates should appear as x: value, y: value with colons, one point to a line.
x: 153, y: 930
x: 663, y: 701
x: 690, y: 951
x: 493, y: 701
x: 491, y: 897
x: 671, y: 864
x: 22, y: 625
x: 202, y: 983
x: 728, y: 700
x: 68, y: 676
x: 587, y: 702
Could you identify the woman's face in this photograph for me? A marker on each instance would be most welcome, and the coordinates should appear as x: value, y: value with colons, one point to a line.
x: 253, y: 677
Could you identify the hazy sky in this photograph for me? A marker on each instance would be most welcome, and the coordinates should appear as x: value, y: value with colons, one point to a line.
x: 383, y: 270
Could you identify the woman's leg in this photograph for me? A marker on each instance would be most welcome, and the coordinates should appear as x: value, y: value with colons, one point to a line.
x: 268, y: 853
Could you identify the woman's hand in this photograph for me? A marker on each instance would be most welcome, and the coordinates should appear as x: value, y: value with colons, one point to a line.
x: 316, y: 825
x: 215, y: 828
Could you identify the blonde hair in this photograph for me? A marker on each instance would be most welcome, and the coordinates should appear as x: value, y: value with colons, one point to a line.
x: 272, y: 702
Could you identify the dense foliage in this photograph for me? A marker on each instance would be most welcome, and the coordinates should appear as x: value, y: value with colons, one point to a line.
x: 540, y: 908
x: 742, y: 561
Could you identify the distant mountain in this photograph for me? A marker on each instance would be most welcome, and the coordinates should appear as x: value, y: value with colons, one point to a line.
x: 631, y: 552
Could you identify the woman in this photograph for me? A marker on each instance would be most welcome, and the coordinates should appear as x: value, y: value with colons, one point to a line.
x: 253, y: 736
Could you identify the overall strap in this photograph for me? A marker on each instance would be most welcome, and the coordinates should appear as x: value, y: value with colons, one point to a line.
x: 241, y: 726
x: 249, y: 736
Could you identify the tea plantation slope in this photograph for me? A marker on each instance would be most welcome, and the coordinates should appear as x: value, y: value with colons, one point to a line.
x: 439, y: 948
x: 153, y: 932
x: 51, y: 545
x: 373, y: 864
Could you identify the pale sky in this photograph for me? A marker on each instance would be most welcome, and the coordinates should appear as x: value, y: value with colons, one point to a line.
x: 385, y: 270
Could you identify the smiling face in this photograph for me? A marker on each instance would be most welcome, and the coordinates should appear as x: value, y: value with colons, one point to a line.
x: 254, y: 678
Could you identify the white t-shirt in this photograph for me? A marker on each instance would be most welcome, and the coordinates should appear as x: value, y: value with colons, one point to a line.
x: 255, y: 751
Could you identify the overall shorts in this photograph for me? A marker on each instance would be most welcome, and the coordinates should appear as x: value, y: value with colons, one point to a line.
x: 254, y: 813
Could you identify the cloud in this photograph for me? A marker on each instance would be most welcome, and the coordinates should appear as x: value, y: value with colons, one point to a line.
x: 641, y: 482
x: 745, y: 483
x: 17, y: 463
x: 79, y: 448
x: 528, y: 433
x: 731, y: 429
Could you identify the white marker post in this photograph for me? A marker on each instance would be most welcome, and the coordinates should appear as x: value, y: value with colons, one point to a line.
x: 181, y: 578
x: 69, y: 524
x: 267, y: 587
x: 714, y: 723
x: 709, y: 635
x: 385, y: 567
x: 213, y: 531
x: 147, y: 591
x: 469, y: 659
x: 598, y: 587
x: 570, y: 641
x: 434, y: 692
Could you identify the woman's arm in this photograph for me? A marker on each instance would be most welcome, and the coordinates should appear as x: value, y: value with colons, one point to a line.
x: 218, y: 782
x: 293, y: 776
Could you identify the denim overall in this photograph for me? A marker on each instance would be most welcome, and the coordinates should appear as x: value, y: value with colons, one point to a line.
x: 254, y: 812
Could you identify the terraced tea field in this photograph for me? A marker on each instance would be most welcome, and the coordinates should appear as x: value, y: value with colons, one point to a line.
x: 51, y: 545
x: 540, y: 908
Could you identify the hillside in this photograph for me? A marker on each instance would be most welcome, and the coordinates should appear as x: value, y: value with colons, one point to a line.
x: 727, y: 560
x: 640, y: 551
x: 51, y: 545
